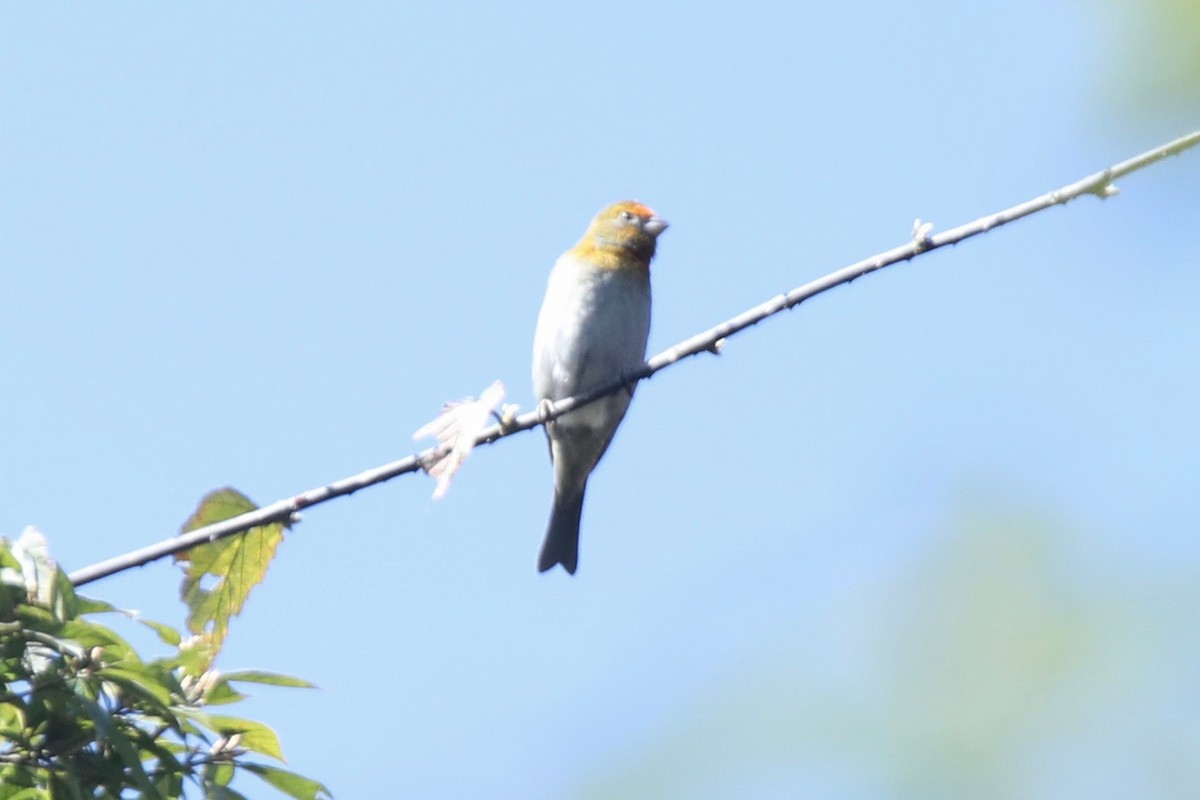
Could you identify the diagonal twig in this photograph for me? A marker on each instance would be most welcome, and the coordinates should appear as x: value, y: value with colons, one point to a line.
x: 1098, y: 184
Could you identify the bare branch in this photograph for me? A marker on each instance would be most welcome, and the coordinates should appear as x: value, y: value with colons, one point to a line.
x: 286, y: 511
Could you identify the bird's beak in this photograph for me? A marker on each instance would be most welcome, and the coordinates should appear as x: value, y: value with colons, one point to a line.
x: 655, y: 225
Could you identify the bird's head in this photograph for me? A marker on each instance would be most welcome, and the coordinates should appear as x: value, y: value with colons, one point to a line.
x: 623, y: 234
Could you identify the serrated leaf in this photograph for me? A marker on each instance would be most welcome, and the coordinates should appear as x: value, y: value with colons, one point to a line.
x: 288, y: 782
x: 217, y: 505
x: 269, y: 678
x: 233, y: 566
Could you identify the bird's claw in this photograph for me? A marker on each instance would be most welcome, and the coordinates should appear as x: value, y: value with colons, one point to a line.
x: 632, y: 378
x: 544, y: 407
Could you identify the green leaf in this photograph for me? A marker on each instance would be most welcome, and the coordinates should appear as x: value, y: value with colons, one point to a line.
x: 222, y: 693
x: 91, y: 634
x: 88, y: 605
x: 169, y: 784
x: 17, y: 793
x: 62, y: 596
x: 255, y: 735
x: 268, y: 678
x: 132, y: 759
x: 7, y: 559
x: 172, y: 747
x: 12, y: 719
x: 163, y: 749
x: 234, y: 565
x: 101, y: 719
x: 35, y: 617
x: 113, y: 735
x: 166, y: 633
x: 217, y: 776
x: 65, y: 787
x: 16, y: 779
x: 10, y: 597
x: 217, y: 505
x: 193, y: 657
x: 192, y: 721
x: 141, y: 681
x: 288, y: 782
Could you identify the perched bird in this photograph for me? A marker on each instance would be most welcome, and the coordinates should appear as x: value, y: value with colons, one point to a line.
x: 592, y: 330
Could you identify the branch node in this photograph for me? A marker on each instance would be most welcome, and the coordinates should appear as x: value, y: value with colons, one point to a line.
x: 506, y: 417
x: 920, y: 234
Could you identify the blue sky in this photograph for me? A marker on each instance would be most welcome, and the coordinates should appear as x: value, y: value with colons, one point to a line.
x: 259, y: 246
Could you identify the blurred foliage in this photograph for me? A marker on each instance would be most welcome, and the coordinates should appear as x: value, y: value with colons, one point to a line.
x: 1003, y: 663
x: 1155, y: 63
x: 83, y: 715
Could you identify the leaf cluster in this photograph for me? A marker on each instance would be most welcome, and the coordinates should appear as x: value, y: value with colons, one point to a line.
x: 83, y: 715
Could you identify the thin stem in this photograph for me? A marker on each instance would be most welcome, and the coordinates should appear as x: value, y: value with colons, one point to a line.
x: 285, y: 511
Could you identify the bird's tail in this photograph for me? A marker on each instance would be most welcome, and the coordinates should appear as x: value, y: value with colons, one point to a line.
x: 561, y: 545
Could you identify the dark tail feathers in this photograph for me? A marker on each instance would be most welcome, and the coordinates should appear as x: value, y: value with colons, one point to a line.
x: 561, y: 545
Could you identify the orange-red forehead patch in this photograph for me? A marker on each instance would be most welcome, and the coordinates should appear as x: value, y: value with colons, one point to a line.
x: 632, y: 206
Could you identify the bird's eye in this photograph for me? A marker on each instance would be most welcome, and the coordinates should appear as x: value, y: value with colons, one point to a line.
x: 626, y: 216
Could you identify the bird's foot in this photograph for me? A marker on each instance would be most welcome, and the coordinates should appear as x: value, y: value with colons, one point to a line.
x: 544, y: 407
x: 630, y: 379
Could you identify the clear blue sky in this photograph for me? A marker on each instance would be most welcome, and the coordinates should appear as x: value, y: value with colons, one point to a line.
x: 261, y: 245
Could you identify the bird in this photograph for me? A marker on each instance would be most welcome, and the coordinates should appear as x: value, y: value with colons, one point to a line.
x: 592, y: 330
